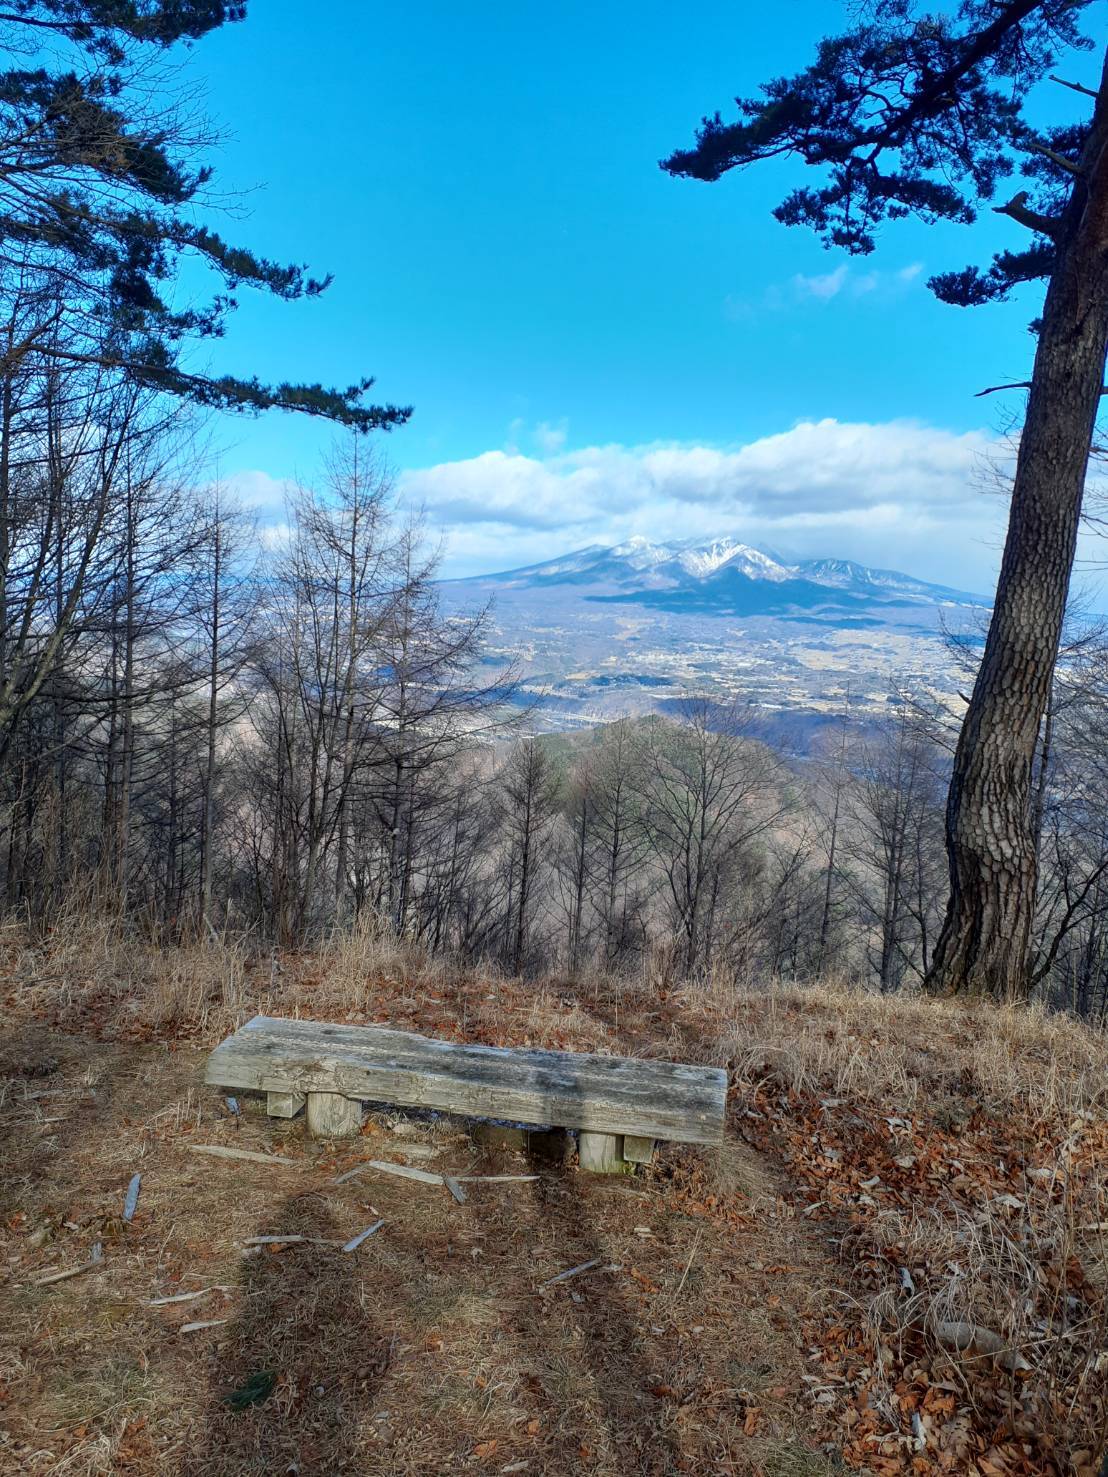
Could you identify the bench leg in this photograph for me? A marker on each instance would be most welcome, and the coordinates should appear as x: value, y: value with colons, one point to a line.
x: 283, y: 1104
x: 602, y: 1153
x: 638, y: 1150
x: 332, y: 1116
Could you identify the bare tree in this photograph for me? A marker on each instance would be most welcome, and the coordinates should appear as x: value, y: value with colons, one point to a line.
x: 709, y: 795
x: 529, y: 795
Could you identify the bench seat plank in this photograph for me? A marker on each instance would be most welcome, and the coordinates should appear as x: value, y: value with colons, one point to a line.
x: 603, y: 1094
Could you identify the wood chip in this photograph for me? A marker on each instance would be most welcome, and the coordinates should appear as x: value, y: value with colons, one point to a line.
x: 573, y: 1272
x: 455, y: 1189
x: 219, y: 1152
x: 187, y: 1297
x: 495, y: 1179
x: 350, y: 1174
x: 356, y: 1241
x: 288, y: 1241
x: 405, y: 1172
x: 130, y: 1202
x: 95, y: 1258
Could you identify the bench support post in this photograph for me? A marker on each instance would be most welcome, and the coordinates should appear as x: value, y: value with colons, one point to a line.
x: 638, y: 1150
x: 332, y: 1116
x: 283, y: 1104
x: 602, y: 1153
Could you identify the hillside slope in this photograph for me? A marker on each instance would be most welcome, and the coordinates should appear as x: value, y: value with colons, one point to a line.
x: 896, y: 1264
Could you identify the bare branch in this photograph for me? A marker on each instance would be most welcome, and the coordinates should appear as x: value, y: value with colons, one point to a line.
x: 1074, y: 86
x: 1016, y: 385
x: 995, y: 389
x: 1018, y: 209
x: 1060, y: 159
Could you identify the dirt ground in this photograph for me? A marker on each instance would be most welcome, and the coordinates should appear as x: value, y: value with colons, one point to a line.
x: 432, y: 1348
x: 897, y: 1263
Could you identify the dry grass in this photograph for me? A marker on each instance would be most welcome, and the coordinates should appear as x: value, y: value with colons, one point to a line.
x: 961, y: 1151
x: 875, y: 1138
x: 431, y: 1349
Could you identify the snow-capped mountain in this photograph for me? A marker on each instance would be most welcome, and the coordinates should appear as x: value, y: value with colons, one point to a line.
x: 724, y: 576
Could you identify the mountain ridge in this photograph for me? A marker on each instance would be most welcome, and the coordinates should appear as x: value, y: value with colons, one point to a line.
x: 724, y: 576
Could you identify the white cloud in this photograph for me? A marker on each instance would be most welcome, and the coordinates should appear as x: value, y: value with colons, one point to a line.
x: 803, y: 289
x: 547, y: 436
x: 898, y: 493
x: 266, y: 496
x: 550, y: 439
x: 827, y: 286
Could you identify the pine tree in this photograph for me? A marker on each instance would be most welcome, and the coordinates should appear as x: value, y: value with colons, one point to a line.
x: 924, y: 113
x: 99, y: 189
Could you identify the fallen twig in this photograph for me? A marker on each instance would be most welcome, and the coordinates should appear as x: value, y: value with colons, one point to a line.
x: 455, y: 1188
x: 495, y: 1179
x: 95, y: 1258
x: 573, y: 1272
x: 405, y: 1172
x: 288, y: 1241
x: 219, y: 1152
x: 187, y: 1297
x: 688, y: 1264
x: 356, y: 1241
x: 350, y: 1174
x: 205, y: 1323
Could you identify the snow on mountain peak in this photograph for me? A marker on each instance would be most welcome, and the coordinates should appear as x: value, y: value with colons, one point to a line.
x: 641, y: 553
x: 722, y: 570
x: 702, y: 560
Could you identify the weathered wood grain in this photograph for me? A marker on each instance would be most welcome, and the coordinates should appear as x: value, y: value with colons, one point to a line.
x: 638, y: 1150
x: 284, y: 1104
x: 602, y: 1094
x: 332, y: 1115
x: 602, y: 1153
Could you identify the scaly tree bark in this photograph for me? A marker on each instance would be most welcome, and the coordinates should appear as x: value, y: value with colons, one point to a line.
x: 922, y: 113
x: 984, y: 944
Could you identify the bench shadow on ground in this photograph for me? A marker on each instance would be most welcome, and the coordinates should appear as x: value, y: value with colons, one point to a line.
x: 595, y: 1322
x: 307, y: 1346
x: 310, y: 1317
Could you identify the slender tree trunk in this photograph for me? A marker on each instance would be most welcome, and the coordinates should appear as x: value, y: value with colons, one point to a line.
x: 832, y: 848
x: 172, y: 823
x: 985, y: 940
x: 127, y: 751
x: 519, y: 951
x: 208, y: 813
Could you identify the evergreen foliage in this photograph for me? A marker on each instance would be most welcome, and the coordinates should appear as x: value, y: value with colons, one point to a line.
x: 99, y: 188
x: 916, y: 113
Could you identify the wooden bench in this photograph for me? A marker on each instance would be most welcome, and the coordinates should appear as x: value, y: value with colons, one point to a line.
x: 618, y: 1105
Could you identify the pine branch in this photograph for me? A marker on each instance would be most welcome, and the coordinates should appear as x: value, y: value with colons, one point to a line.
x: 1018, y: 210
x: 1074, y: 86
x: 1060, y: 159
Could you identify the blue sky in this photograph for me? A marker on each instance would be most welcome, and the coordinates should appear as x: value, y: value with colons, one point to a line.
x: 593, y: 348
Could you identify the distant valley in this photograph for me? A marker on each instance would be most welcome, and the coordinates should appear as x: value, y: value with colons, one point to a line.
x: 638, y: 627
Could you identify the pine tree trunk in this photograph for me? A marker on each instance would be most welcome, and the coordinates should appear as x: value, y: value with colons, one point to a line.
x: 985, y: 941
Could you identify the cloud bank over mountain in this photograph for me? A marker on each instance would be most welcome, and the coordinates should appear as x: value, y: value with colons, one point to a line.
x: 899, y: 493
